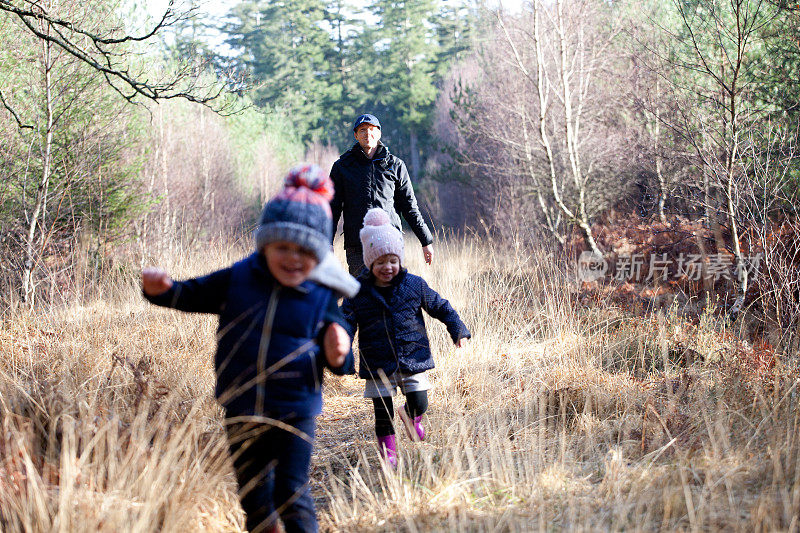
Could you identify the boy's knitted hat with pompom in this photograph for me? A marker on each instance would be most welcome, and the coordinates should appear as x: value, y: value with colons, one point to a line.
x: 300, y: 213
x: 379, y: 237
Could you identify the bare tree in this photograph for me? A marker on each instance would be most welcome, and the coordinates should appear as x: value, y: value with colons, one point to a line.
x: 109, y: 50
x: 543, y: 103
x: 714, y: 69
x: 48, y: 60
x: 69, y: 57
x: 71, y: 128
x: 770, y: 191
x: 574, y: 70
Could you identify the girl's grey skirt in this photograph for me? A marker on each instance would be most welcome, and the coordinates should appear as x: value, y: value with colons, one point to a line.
x: 377, y: 388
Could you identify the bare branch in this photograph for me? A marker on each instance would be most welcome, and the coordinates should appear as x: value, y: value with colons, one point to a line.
x: 169, y: 18
x: 101, y: 57
x: 13, y: 113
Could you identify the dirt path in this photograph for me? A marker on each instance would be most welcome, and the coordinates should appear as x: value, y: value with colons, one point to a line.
x: 344, y: 433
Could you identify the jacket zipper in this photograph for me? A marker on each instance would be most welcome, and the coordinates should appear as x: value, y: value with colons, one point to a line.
x: 388, y: 336
x: 263, y: 348
x: 372, y: 183
x: 314, y: 370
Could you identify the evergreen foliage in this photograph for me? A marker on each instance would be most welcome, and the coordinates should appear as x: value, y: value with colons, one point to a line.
x: 323, y: 64
x: 286, y: 49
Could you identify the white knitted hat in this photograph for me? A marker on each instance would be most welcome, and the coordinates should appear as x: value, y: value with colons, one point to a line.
x: 379, y: 237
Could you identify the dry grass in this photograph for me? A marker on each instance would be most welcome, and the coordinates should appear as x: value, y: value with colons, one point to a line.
x: 555, y: 417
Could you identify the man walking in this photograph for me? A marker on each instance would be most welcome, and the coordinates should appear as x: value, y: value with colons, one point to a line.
x: 368, y: 176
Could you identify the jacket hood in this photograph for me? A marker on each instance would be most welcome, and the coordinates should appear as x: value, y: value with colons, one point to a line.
x: 329, y: 272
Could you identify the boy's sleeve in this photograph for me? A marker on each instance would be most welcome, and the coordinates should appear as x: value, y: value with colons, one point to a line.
x: 440, y: 309
x: 334, y: 315
x: 205, y: 294
x: 348, y: 314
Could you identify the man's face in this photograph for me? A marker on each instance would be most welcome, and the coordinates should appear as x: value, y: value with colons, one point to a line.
x: 368, y: 136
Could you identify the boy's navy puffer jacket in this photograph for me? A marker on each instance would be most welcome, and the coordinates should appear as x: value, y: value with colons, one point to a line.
x: 392, y: 333
x: 265, y: 329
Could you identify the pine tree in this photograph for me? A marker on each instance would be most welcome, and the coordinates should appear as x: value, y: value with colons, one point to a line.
x: 348, y: 73
x: 407, y: 56
x: 190, y: 42
x: 286, y: 47
x: 454, y: 31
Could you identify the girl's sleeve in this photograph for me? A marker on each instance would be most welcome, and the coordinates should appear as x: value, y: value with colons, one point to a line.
x: 205, y: 294
x: 334, y: 315
x: 440, y: 309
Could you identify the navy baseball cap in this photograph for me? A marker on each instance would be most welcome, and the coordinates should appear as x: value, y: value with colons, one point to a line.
x: 366, y: 119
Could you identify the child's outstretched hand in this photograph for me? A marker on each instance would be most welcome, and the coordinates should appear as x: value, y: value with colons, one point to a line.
x: 336, y: 345
x: 462, y: 342
x: 155, y: 281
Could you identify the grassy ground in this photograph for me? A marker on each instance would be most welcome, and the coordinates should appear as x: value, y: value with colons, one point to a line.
x: 558, y: 416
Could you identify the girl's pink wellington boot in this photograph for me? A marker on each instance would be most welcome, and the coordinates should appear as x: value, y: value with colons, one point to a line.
x: 388, y: 448
x: 414, y: 427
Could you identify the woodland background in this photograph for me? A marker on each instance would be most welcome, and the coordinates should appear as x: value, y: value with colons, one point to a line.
x: 657, y: 128
x: 545, y: 124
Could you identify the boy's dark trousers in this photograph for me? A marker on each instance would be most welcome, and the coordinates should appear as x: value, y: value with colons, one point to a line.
x: 271, y: 464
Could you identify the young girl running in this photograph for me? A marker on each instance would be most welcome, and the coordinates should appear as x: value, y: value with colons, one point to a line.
x: 394, y: 351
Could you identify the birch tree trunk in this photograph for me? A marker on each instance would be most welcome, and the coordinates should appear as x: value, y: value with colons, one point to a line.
x: 40, y: 203
x: 551, y: 222
x: 572, y: 117
x: 730, y: 169
x: 662, y: 182
x: 571, y: 127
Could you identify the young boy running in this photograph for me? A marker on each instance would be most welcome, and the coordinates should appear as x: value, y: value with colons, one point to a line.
x: 277, y: 331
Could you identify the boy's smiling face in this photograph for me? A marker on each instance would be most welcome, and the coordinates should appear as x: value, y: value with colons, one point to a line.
x: 289, y: 263
x: 385, y: 268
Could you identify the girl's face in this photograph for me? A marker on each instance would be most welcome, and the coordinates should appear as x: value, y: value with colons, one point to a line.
x: 385, y: 268
x: 289, y: 263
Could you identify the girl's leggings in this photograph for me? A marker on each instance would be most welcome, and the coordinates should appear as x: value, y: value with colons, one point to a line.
x: 416, y: 405
x: 271, y: 465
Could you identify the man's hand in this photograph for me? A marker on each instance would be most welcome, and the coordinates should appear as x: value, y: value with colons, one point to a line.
x: 336, y: 345
x: 463, y: 342
x: 155, y: 281
x: 427, y: 251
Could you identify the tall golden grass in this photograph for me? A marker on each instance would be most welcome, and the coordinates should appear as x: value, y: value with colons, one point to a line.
x: 556, y: 416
